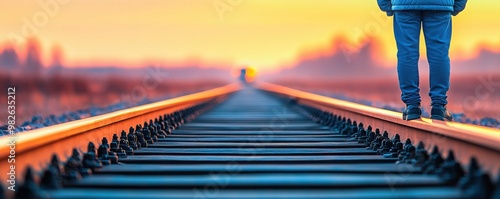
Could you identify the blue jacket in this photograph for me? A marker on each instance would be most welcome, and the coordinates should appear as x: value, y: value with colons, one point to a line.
x: 454, y: 6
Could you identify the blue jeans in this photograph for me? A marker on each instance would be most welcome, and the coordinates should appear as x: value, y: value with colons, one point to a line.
x: 437, y: 32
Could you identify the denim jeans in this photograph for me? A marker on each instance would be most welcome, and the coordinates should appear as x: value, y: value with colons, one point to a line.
x: 437, y: 32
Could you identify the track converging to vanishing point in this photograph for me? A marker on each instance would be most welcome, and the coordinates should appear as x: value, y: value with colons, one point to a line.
x: 256, y: 142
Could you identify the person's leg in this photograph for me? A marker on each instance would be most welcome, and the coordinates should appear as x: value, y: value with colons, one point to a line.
x: 437, y: 32
x: 407, y: 32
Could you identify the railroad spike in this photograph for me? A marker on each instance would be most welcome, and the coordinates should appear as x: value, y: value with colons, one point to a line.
x: 362, y: 137
x: 395, y: 150
x: 75, y: 154
x: 410, y: 154
x: 147, y: 136
x: 52, y: 176
x: 381, y: 146
x: 386, y: 135
x: 421, y: 145
x: 138, y: 127
x: 368, y: 131
x: 435, y: 161
x: 157, y: 126
x: 90, y: 159
x: 360, y: 131
x: 54, y: 162
x: 132, y: 140
x: 377, y: 143
x: 472, y: 171
x: 115, y: 147
x: 345, y: 129
x: 123, y: 135
x: 353, y: 128
x: 29, y: 188
x: 481, y: 186
x: 326, y: 119
x: 125, y: 146
x: 377, y: 133
x: 154, y: 132
x: 160, y: 131
x: 333, y: 120
x: 407, y: 143
x: 90, y: 162
x: 168, y: 130
x: 451, y: 170
x: 337, y: 123
x: 165, y: 117
x: 103, y: 152
x: 91, y: 148
x: 140, y: 138
x: 341, y: 121
x: 319, y: 118
x: 386, y: 147
x: 421, y: 156
x: 407, y: 153
x: 51, y: 179
x: 357, y: 131
x: 173, y: 122
x: 396, y: 139
x: 496, y: 194
x: 113, y: 156
x: 370, y: 138
x: 73, y: 169
x: 181, y: 118
x: 115, y: 139
x: 105, y: 142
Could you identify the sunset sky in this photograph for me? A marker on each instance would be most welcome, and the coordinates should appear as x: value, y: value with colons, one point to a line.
x: 265, y: 34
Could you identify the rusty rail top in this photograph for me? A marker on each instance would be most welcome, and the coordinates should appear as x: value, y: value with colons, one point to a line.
x: 479, y: 136
x: 39, y: 138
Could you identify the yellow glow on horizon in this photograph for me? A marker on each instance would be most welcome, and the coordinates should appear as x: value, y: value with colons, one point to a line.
x: 251, y: 74
x: 263, y: 33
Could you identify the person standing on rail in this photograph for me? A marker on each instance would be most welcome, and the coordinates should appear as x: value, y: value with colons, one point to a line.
x: 434, y: 16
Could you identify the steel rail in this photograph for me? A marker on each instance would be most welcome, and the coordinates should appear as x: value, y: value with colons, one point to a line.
x: 35, y: 147
x: 466, y: 141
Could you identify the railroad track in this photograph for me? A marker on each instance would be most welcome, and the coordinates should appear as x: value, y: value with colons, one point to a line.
x: 246, y: 142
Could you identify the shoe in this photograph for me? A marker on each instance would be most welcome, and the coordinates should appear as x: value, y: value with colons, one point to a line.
x: 439, y: 112
x: 412, y: 112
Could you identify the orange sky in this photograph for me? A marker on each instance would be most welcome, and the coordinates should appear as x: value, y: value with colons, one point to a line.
x: 261, y: 33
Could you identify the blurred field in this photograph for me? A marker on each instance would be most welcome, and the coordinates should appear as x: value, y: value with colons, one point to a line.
x: 46, y: 94
x: 477, y: 96
x: 55, y: 93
